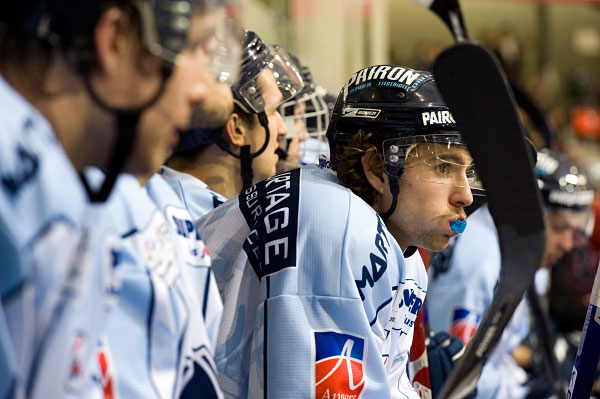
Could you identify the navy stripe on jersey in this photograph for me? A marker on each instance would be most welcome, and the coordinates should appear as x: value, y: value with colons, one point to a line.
x: 271, y: 212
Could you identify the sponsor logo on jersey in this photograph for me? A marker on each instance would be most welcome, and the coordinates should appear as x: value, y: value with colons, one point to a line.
x: 105, y: 378
x: 157, y: 248
x: 378, y: 261
x: 464, y: 324
x: 271, y: 212
x: 195, y: 252
x: 339, y: 361
x: 12, y: 181
x: 77, y: 352
x: 406, y: 305
x: 369, y: 113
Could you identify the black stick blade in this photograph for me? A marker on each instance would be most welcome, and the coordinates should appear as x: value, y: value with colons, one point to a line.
x: 482, y: 104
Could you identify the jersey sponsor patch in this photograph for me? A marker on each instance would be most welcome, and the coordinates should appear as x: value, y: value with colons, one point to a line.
x: 77, y: 351
x: 105, y: 377
x: 464, y: 324
x: 195, y: 254
x: 339, y: 360
x: 271, y: 212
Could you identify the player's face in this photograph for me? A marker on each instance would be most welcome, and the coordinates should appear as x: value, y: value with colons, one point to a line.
x: 293, y: 144
x: 157, y: 130
x: 265, y: 164
x: 560, y: 234
x: 425, y: 209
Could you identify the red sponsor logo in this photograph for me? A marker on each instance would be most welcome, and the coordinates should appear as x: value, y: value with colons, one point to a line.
x: 339, y: 366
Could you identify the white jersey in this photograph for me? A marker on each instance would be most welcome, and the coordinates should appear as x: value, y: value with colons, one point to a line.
x: 460, y: 295
x: 319, y: 300
x: 58, y: 277
x: 193, y: 193
x: 157, y: 343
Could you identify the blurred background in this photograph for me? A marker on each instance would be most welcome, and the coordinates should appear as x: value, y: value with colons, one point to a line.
x: 550, y: 49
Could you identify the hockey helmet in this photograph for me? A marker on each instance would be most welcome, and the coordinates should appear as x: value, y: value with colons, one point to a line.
x: 406, y: 118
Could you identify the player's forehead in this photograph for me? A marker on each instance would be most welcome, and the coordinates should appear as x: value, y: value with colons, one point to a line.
x: 269, y: 89
x: 454, y: 153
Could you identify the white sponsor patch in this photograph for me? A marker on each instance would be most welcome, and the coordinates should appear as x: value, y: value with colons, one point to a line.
x: 360, y: 113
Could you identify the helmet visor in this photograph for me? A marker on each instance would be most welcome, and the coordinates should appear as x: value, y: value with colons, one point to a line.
x: 169, y: 27
x: 433, y: 158
x: 277, y: 82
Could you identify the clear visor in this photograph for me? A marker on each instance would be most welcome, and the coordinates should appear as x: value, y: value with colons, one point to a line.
x: 215, y: 30
x: 211, y: 26
x: 435, y: 158
x: 276, y: 83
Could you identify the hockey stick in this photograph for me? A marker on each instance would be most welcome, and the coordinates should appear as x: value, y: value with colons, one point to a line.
x: 472, y: 84
x: 588, y: 353
x: 545, y: 342
x: 449, y: 11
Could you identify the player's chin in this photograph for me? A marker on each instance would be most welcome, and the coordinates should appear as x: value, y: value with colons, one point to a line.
x: 436, y: 243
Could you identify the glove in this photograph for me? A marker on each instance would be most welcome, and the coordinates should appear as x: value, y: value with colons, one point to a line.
x: 443, y: 352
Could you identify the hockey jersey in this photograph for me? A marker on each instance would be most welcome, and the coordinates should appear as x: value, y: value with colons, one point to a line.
x: 461, y: 292
x: 319, y: 300
x: 8, y: 362
x: 58, y: 277
x: 193, y: 193
x: 157, y: 342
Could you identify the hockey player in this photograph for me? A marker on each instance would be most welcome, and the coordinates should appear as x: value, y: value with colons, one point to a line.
x: 318, y: 272
x: 238, y: 148
x: 306, y: 117
x: 159, y: 339
x: 79, y: 80
x: 467, y: 272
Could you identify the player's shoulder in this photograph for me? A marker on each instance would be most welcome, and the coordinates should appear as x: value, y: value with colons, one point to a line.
x: 193, y: 193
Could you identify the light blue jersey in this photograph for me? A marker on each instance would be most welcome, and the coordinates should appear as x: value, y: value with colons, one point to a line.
x: 193, y: 193
x: 58, y: 277
x: 459, y: 296
x: 157, y: 343
x: 319, y: 300
x: 8, y: 362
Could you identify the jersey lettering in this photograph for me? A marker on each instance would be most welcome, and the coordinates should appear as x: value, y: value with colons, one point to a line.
x: 378, y: 262
x: 271, y: 211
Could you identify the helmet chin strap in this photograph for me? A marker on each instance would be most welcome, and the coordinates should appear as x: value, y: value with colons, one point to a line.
x: 246, y: 156
x: 127, y: 121
x: 395, y: 190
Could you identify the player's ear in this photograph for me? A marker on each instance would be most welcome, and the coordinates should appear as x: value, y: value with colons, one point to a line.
x: 376, y: 180
x: 234, y: 131
x: 111, y: 39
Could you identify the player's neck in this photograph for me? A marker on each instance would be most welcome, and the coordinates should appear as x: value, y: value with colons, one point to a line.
x: 219, y: 170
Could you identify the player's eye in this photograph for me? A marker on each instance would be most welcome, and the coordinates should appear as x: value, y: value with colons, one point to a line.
x: 443, y: 168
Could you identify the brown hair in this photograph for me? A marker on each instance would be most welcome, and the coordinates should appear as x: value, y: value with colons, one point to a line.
x: 348, y: 166
x: 26, y: 59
